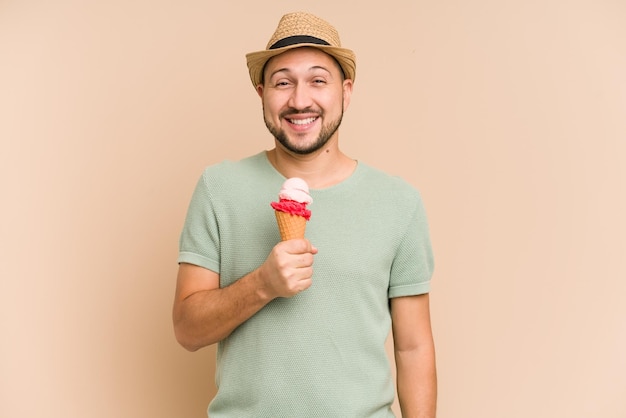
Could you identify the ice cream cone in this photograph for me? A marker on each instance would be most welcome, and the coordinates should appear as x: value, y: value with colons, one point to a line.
x: 290, y: 226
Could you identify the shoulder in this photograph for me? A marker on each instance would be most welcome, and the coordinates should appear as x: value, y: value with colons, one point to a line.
x: 229, y: 173
x: 388, y: 186
x: 234, y: 168
x: 241, y: 182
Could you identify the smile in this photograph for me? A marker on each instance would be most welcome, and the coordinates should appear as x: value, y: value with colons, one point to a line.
x: 302, y: 121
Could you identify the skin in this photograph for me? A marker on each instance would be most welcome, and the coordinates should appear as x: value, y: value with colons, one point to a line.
x: 291, y: 106
x: 304, y: 96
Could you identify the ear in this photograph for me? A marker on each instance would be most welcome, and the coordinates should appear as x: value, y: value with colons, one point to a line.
x: 259, y: 90
x: 347, y: 93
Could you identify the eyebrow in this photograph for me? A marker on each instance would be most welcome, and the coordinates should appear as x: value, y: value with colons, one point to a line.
x: 287, y: 70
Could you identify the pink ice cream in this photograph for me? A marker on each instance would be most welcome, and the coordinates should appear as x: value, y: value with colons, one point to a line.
x: 293, y: 198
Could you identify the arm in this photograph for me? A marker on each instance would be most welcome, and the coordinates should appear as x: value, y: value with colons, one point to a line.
x: 415, y: 356
x: 204, y: 313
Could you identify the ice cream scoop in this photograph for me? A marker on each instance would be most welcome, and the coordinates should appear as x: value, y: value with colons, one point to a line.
x: 290, y: 210
x: 295, y: 189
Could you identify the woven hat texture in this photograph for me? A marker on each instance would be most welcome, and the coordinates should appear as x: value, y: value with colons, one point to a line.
x: 296, y: 30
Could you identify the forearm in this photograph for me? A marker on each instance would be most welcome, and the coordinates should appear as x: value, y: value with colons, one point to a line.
x: 208, y: 316
x: 205, y: 313
x: 417, y: 382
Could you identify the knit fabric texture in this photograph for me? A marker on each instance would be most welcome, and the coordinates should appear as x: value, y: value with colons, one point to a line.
x: 320, y: 353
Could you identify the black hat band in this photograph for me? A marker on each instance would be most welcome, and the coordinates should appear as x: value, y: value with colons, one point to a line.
x: 298, y: 39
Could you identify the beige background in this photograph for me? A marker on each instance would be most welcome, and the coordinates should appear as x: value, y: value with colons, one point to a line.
x: 509, y: 116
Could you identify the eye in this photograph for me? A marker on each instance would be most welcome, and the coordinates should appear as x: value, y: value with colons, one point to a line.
x: 319, y: 81
x: 282, y: 83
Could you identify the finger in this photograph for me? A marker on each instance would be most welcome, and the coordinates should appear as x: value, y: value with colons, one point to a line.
x: 305, y: 284
x: 299, y: 246
x: 305, y: 260
x: 301, y: 286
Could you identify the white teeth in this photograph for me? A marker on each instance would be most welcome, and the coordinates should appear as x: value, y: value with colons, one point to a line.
x: 302, y: 121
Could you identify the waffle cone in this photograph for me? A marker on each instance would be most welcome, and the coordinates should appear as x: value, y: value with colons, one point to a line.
x: 290, y: 226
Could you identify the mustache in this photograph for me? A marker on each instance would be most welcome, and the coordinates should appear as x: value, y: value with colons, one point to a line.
x: 292, y: 111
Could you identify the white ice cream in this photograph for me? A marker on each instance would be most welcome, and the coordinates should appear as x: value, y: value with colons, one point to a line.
x: 295, y: 189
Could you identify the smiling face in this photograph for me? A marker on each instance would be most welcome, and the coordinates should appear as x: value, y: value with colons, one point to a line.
x: 304, y: 96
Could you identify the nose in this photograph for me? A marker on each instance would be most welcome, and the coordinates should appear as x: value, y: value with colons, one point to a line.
x: 300, y: 97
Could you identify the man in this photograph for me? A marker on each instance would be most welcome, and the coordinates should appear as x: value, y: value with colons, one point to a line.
x: 301, y: 324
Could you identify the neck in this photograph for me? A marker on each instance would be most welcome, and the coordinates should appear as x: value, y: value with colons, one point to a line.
x: 321, y: 169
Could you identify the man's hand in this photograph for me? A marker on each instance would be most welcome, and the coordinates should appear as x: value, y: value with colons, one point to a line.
x: 288, y: 269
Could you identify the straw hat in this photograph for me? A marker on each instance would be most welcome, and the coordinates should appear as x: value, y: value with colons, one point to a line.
x: 296, y: 30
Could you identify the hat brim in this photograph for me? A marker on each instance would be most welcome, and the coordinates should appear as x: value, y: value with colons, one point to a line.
x: 257, y: 60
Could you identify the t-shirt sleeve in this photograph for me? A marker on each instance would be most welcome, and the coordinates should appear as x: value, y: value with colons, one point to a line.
x: 199, y: 239
x: 413, y: 264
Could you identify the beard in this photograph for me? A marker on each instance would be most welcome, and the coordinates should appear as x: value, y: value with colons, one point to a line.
x: 328, y: 130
